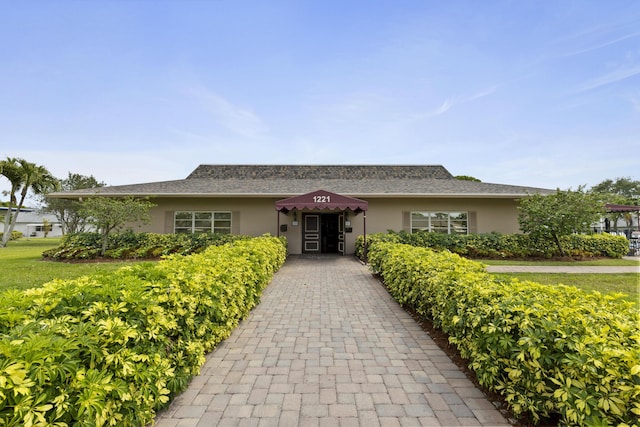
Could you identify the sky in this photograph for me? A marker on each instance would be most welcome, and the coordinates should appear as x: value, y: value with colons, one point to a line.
x: 523, y: 92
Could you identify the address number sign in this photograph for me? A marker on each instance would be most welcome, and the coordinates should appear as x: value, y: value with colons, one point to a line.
x: 322, y: 199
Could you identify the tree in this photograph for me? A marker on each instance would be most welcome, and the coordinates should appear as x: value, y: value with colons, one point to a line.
x: 547, y: 217
x: 625, y: 187
x: 622, y: 191
x: 23, y: 177
x: 467, y: 178
x: 67, y: 211
x: 46, y: 227
x: 108, y: 214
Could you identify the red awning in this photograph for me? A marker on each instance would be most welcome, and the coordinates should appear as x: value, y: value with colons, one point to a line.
x: 322, y: 200
x: 610, y: 207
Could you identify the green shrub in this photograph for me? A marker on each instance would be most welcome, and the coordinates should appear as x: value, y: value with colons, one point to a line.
x: 372, y: 239
x: 15, y: 235
x: 597, y: 244
x: 547, y: 350
x: 113, y: 349
x: 130, y: 245
x: 496, y: 245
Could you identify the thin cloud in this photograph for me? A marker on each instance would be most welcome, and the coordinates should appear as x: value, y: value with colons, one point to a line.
x: 616, y: 31
x: 453, y: 101
x: 612, y: 77
x: 238, y: 120
x: 485, y: 92
x: 601, y: 45
x: 446, y: 106
x: 189, y: 135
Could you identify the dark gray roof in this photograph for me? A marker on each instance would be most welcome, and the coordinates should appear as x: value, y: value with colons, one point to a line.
x: 316, y: 172
x: 289, y: 180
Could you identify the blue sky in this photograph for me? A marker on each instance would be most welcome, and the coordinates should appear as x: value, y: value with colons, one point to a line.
x: 536, y: 93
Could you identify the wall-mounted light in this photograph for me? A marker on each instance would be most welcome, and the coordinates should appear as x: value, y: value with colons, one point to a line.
x: 294, y: 221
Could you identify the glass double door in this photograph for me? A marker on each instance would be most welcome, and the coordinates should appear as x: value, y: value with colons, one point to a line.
x: 323, y: 233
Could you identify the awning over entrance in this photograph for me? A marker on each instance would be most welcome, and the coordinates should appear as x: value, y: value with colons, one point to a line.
x: 321, y: 199
x: 610, y: 207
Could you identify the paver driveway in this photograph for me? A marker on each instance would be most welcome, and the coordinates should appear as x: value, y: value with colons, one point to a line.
x: 328, y: 346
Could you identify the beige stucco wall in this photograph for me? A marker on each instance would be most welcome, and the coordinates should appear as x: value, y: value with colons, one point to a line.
x: 252, y: 216
x: 490, y: 214
x: 256, y: 216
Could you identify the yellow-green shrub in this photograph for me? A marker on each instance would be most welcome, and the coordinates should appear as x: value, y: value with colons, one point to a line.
x: 496, y: 245
x: 547, y: 350
x: 131, y: 245
x: 112, y: 350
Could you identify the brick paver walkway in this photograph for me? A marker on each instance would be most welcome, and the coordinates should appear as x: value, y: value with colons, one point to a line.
x: 328, y: 346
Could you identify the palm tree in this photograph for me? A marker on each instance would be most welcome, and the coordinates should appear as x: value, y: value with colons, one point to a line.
x: 23, y: 177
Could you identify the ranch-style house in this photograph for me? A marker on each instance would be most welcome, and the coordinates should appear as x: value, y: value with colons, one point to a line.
x: 321, y: 209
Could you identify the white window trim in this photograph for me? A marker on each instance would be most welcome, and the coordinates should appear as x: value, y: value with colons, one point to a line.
x: 213, y: 220
x: 428, y: 217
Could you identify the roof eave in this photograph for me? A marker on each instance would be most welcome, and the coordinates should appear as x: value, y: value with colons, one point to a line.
x: 283, y: 195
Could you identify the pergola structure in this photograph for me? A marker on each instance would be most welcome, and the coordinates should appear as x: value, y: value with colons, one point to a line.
x: 615, y: 208
x: 610, y: 207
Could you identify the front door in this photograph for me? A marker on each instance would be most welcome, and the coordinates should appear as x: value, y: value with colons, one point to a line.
x: 323, y: 233
x: 311, y: 233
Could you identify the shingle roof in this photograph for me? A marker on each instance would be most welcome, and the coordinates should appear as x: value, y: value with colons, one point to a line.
x: 290, y: 180
x: 316, y: 172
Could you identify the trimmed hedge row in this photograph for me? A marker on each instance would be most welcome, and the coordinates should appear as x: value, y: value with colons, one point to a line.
x: 113, y: 349
x: 496, y: 245
x: 547, y: 350
x: 130, y: 245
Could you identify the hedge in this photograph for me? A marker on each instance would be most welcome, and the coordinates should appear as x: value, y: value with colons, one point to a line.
x: 114, y: 349
x: 15, y: 235
x: 496, y: 245
x: 550, y: 351
x: 130, y: 245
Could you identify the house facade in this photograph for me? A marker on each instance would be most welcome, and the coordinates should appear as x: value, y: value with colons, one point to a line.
x: 322, y: 209
x: 32, y: 223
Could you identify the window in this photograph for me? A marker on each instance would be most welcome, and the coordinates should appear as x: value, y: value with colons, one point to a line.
x: 202, y: 222
x: 440, y: 222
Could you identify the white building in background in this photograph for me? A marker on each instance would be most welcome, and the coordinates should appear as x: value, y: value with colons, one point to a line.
x: 31, y: 223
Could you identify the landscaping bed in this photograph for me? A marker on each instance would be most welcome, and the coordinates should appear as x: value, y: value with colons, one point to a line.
x: 441, y: 339
x: 507, y: 246
x: 550, y: 352
x: 134, y: 246
x: 114, y: 350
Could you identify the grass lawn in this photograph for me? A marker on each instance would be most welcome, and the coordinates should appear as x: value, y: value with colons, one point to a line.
x: 600, y: 262
x: 627, y: 283
x: 21, y: 265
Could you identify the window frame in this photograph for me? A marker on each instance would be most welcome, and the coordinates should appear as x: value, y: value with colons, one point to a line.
x: 433, y: 221
x: 203, y: 222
